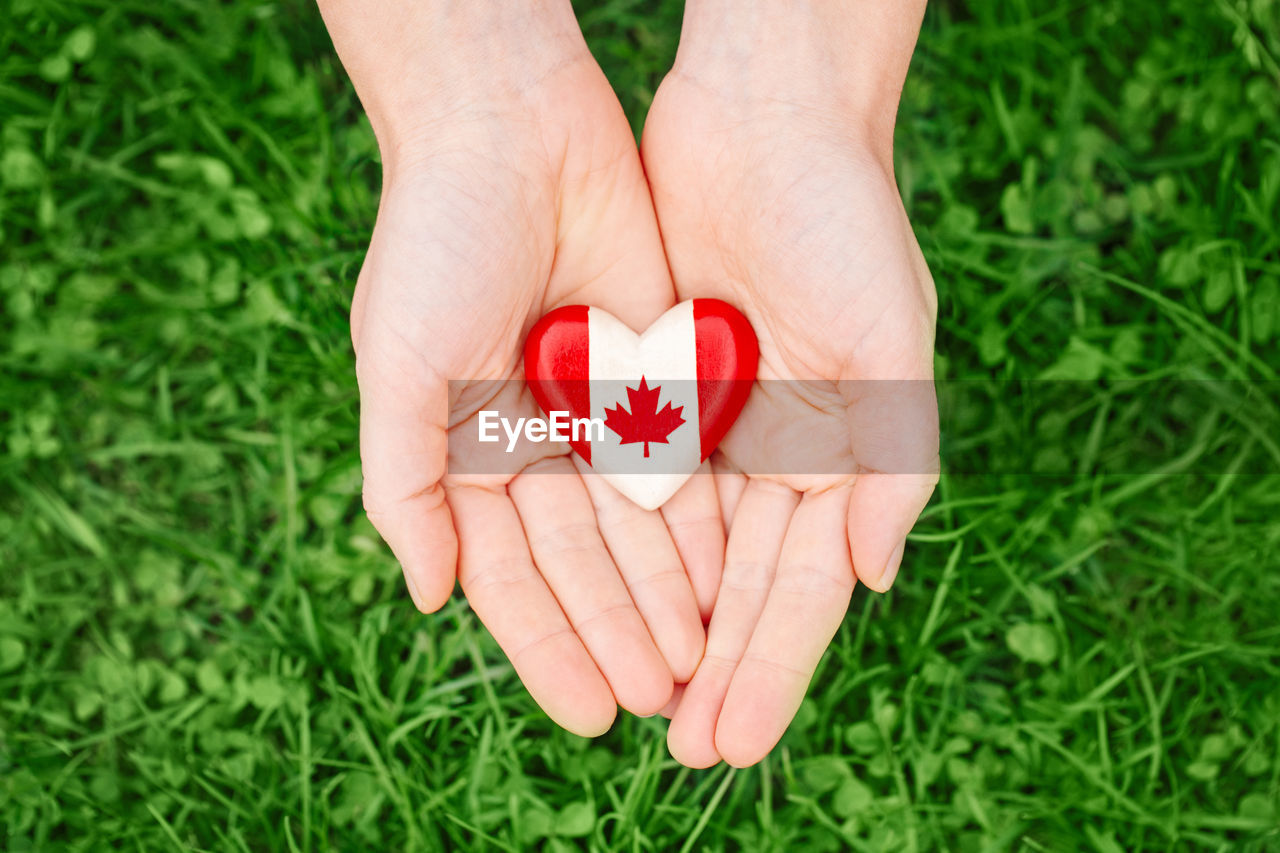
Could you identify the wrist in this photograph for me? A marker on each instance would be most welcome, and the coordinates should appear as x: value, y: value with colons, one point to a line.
x: 844, y: 60
x: 420, y: 67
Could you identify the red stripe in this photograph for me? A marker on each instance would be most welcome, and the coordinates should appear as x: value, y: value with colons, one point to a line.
x: 727, y: 353
x: 558, y: 368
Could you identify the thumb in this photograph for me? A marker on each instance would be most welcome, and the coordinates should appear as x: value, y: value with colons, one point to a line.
x: 403, y: 444
x: 895, y: 428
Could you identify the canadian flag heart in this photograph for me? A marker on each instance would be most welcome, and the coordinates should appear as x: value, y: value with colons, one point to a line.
x: 666, y: 397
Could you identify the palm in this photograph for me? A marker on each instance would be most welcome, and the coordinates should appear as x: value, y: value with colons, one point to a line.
x: 777, y: 212
x: 511, y: 213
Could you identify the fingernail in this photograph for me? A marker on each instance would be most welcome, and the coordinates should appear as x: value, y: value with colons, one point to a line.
x: 413, y: 589
x: 891, y: 567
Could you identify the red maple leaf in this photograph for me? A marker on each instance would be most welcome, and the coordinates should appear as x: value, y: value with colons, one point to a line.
x: 644, y: 423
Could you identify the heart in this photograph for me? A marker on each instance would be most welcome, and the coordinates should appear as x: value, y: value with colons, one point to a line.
x: 666, y: 397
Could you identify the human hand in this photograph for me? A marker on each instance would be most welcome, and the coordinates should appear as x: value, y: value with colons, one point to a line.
x: 512, y: 185
x: 771, y: 171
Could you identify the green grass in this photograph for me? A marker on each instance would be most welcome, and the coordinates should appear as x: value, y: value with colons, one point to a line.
x: 203, y: 645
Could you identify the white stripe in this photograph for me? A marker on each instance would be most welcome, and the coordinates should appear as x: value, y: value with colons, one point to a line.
x: 618, y: 358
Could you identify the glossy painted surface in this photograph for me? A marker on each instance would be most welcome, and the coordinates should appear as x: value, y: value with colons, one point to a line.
x: 707, y: 340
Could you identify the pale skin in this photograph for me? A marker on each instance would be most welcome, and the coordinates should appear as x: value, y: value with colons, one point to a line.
x: 771, y: 170
x: 512, y: 185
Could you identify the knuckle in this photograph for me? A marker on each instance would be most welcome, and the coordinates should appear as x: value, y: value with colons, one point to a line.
x: 693, y: 523
x: 542, y: 639
x: 500, y: 575
x: 604, y: 614
x: 658, y: 578
x: 376, y: 511
x: 723, y: 663
x: 748, y: 576
x: 567, y: 539
x: 772, y: 663
x: 811, y: 581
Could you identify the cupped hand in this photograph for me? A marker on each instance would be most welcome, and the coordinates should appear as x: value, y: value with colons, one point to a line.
x: 775, y: 191
x: 512, y: 185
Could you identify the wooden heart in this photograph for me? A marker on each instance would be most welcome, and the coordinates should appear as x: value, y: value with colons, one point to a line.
x: 666, y: 397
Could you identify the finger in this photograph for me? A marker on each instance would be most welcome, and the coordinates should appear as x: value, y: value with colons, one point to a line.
x: 403, y: 416
x: 563, y: 537
x: 691, y: 737
x: 894, y: 424
x: 669, y: 709
x: 806, y: 604
x: 751, y: 557
x: 730, y: 484
x: 693, y: 517
x: 512, y: 600
x: 643, y: 550
x: 882, y: 511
